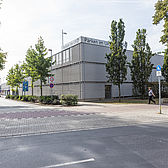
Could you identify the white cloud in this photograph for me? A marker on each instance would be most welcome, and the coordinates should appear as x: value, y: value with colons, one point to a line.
x: 23, y: 21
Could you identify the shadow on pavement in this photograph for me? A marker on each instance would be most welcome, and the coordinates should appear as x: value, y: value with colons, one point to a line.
x: 13, y: 107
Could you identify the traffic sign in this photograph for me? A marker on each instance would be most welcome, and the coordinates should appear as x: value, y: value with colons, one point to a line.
x: 51, y: 85
x: 158, y: 68
x: 158, y: 73
x: 25, y: 86
x: 51, y: 79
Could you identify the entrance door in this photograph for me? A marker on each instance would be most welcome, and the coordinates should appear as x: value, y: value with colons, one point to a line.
x: 107, y: 91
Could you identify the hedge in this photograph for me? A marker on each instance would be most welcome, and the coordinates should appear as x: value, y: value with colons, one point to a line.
x: 69, y: 100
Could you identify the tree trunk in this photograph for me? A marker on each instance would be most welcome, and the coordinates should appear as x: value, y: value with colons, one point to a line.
x: 119, y: 92
x: 32, y: 86
x: 143, y: 90
x: 17, y: 91
x: 41, y: 87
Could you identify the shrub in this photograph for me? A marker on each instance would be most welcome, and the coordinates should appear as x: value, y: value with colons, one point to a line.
x: 46, y: 99
x: 69, y: 100
x: 49, y: 99
x: 24, y: 98
x: 16, y: 97
x: 34, y: 99
x: 29, y: 98
x: 20, y: 97
x: 55, y: 97
x: 41, y: 99
x: 12, y: 97
x: 56, y: 102
x: 7, y: 97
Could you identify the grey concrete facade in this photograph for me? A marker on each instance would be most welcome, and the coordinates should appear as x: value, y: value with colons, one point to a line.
x: 5, y: 89
x: 79, y: 69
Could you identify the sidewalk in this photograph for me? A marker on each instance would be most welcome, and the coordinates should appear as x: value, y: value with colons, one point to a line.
x: 138, y: 113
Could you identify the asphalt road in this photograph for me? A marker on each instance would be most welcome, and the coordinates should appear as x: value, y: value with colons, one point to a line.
x: 119, y: 147
x: 93, y: 135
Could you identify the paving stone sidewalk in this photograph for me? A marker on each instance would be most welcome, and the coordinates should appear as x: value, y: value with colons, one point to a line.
x: 33, y: 119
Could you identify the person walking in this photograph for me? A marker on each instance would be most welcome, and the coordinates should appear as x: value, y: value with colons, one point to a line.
x: 151, y: 95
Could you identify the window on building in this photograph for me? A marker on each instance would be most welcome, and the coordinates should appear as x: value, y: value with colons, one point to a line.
x: 67, y: 56
x: 59, y: 58
x: 64, y: 56
x: 70, y: 54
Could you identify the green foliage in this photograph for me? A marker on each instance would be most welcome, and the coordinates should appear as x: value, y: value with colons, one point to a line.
x: 30, y: 66
x: 15, y: 77
x: 18, y: 76
x: 42, y: 64
x: 12, y: 97
x: 11, y: 78
x: 20, y: 98
x: 49, y: 100
x: 7, y: 97
x: 32, y: 98
x: 16, y: 97
x: 165, y: 66
x: 141, y: 66
x: 69, y: 100
x: 25, y: 98
x: 2, y: 59
x: 161, y: 14
x: 116, y: 60
x: 42, y: 99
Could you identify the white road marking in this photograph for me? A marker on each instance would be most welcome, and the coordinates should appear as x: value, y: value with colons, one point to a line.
x: 70, y: 163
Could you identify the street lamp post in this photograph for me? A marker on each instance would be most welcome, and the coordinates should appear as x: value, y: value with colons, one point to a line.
x: 63, y: 37
x: 51, y: 67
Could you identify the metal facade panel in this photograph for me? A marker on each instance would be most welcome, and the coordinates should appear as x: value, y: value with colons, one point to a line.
x: 94, y: 90
x: 95, y: 53
x: 71, y: 73
x: 76, y: 53
x: 95, y: 72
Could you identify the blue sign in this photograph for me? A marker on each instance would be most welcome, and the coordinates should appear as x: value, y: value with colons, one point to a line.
x: 51, y: 85
x: 158, y: 68
x: 25, y: 86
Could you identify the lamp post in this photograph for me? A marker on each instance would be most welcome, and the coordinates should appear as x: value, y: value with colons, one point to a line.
x: 51, y: 67
x: 63, y: 37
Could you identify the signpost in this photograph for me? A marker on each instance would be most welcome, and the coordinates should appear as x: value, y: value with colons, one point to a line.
x: 25, y: 86
x: 159, y: 74
x: 51, y: 82
x: 51, y: 79
x: 51, y: 85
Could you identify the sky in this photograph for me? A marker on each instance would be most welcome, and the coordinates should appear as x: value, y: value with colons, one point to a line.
x: 23, y: 21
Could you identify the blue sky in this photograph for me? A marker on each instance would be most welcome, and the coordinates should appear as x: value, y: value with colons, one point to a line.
x: 23, y: 21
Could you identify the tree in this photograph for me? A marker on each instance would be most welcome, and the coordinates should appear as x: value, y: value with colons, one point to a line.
x: 165, y: 65
x: 15, y: 77
x: 161, y: 14
x: 2, y: 54
x: 42, y: 64
x: 18, y: 76
x: 11, y: 79
x: 2, y: 59
x: 30, y: 66
x: 141, y: 66
x: 116, y: 59
x: 0, y: 3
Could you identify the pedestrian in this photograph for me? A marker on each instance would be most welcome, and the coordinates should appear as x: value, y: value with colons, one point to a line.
x: 151, y: 95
